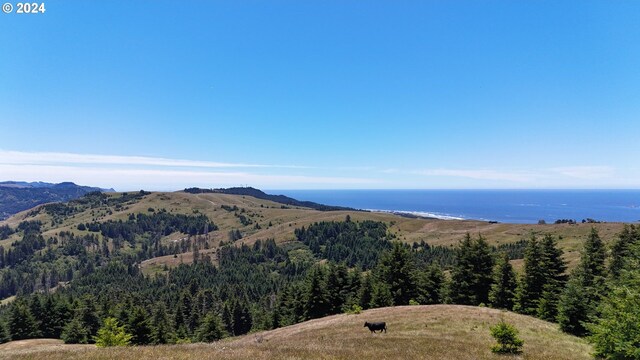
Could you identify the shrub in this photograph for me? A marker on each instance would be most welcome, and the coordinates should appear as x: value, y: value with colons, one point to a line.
x: 353, y: 309
x: 507, y: 337
x: 112, y: 334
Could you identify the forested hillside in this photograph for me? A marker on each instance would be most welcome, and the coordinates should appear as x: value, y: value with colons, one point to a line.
x: 77, y: 267
x: 18, y: 196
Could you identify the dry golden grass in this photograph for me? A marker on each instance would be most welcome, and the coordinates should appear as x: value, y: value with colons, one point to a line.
x: 440, y: 332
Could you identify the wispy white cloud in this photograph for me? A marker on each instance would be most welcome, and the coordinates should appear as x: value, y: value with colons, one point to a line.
x: 483, y: 174
x: 170, y: 179
x: 586, y: 172
x: 44, y: 158
x: 157, y: 173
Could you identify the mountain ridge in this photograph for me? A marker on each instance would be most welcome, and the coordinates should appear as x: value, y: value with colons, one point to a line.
x: 17, y: 196
x: 259, y: 194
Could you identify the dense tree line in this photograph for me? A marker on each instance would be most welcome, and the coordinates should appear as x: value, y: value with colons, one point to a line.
x: 34, y: 263
x: 356, y: 243
x: 266, y: 285
x: 161, y: 223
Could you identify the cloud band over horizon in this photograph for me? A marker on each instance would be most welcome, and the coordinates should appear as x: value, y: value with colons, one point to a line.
x: 157, y: 173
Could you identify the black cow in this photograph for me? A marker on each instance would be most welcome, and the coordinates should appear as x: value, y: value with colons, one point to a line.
x: 373, y: 327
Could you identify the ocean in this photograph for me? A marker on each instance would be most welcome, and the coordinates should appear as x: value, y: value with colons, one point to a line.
x: 508, y: 206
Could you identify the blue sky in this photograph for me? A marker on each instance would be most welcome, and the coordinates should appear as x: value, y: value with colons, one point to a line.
x: 322, y: 94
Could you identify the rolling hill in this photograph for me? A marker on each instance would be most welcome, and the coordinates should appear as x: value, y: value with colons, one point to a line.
x: 263, y: 219
x: 16, y: 196
x: 180, y: 257
x: 414, y: 332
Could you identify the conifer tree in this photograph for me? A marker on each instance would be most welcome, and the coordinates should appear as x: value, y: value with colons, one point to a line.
x: 227, y: 316
x: 161, y: 326
x: 37, y: 310
x: 615, y: 332
x: 89, y: 316
x: 183, y: 313
x: 483, y: 265
x: 112, y: 334
x: 4, y: 333
x: 429, y: 285
x: 211, y: 329
x: 138, y: 326
x: 620, y: 250
x: 503, y: 289
x: 381, y: 296
x: 396, y: 269
x: 242, y: 320
x: 75, y: 332
x: 276, y: 317
x: 354, y: 283
x: 471, y: 277
x: 554, y: 268
x: 531, y: 285
x: 52, y: 320
x: 316, y: 297
x: 22, y: 324
x: 337, y: 287
x: 578, y: 304
x: 366, y: 292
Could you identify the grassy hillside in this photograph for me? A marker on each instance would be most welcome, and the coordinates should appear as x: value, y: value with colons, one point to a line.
x: 269, y: 219
x: 414, y: 332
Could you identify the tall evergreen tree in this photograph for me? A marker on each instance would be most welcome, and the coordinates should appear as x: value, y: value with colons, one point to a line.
x: 161, y: 326
x: 483, y: 265
x: 138, y: 326
x: 578, y: 304
x: 211, y: 329
x: 75, y: 332
x: 615, y: 332
x: 316, y: 297
x: 396, y: 268
x: 183, y: 313
x: 429, y: 285
x: 37, y: 310
x: 503, y: 289
x: 337, y: 287
x: 381, y: 296
x: 22, y: 324
x: 554, y: 268
x: 366, y: 292
x: 471, y: 277
x: 276, y: 317
x: 531, y: 285
x: 227, y: 316
x: 354, y: 281
x: 53, y: 318
x: 89, y: 316
x: 4, y: 333
x: 620, y: 250
x: 242, y: 320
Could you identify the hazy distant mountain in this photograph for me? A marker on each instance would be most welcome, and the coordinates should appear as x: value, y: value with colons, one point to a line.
x: 16, y: 196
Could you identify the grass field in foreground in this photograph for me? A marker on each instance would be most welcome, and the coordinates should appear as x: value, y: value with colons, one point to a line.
x: 443, y: 332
